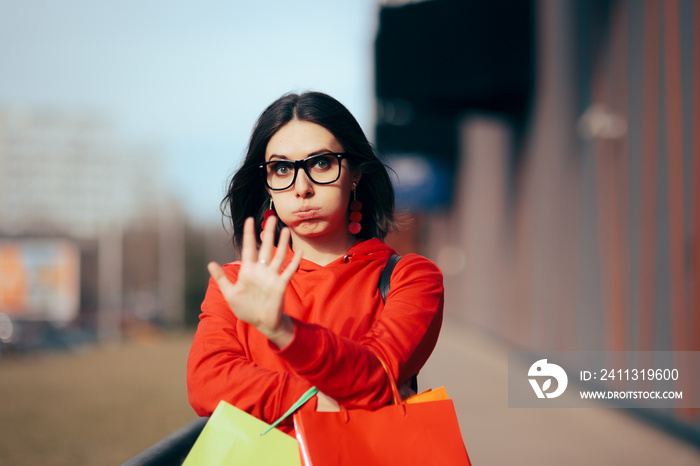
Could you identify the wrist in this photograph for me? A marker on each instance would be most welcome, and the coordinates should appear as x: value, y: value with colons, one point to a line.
x: 283, y: 335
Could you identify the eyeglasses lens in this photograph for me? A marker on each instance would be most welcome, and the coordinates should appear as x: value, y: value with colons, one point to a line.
x: 322, y: 169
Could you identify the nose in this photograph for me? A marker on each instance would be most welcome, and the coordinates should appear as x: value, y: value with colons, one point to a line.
x: 303, y: 186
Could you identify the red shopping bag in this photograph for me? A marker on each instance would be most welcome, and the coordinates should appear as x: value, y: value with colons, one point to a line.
x: 417, y: 433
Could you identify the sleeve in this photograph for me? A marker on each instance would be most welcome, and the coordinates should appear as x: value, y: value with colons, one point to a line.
x: 218, y: 367
x: 404, y: 335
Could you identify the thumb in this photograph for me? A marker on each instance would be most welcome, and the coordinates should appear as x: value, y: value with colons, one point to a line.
x: 218, y: 274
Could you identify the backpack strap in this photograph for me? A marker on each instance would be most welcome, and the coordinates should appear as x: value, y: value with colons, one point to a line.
x: 384, y: 285
x: 385, y: 278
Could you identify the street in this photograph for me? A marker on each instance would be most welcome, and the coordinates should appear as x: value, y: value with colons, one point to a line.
x: 104, y: 404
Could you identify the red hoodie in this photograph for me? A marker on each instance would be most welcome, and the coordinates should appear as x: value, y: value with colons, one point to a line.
x: 342, y: 325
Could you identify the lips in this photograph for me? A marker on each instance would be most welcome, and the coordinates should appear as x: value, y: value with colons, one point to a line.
x: 306, y: 213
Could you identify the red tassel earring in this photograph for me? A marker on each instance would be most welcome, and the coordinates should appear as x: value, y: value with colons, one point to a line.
x: 355, y: 214
x: 267, y: 214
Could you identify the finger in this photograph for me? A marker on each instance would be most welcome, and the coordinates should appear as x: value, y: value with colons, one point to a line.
x: 326, y: 403
x: 292, y: 266
x: 218, y: 274
x: 249, y: 248
x: 268, y: 240
x: 281, y: 252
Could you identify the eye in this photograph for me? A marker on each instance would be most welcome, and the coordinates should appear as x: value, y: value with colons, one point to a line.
x: 282, y: 168
x: 322, y: 163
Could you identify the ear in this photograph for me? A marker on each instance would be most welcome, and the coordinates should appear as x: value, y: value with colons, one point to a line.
x: 356, y: 175
x: 269, y: 196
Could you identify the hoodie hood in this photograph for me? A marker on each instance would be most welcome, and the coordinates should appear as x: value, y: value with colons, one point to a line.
x: 367, y: 250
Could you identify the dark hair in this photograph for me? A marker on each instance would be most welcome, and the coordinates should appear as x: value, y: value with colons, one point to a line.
x: 247, y: 196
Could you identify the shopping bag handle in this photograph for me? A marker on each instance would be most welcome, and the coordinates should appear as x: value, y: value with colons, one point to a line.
x: 394, y: 388
x: 298, y: 404
x: 394, y: 391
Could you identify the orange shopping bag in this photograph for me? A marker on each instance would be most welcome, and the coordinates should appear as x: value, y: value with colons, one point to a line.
x: 405, y: 433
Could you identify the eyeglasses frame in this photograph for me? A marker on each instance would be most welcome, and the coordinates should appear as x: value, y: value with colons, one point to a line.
x: 303, y: 164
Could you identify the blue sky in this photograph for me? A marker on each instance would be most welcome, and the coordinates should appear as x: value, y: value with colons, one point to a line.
x: 187, y: 77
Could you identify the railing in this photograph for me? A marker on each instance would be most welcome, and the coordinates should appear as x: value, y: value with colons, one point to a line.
x: 173, y: 449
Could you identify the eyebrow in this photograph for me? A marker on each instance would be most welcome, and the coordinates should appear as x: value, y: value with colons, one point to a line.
x: 318, y: 152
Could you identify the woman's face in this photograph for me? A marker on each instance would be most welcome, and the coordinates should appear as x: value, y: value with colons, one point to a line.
x: 311, y: 210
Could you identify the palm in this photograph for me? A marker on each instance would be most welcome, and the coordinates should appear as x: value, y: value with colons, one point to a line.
x: 257, y: 296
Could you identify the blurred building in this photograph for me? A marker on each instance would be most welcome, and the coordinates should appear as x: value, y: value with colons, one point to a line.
x: 68, y: 173
x: 569, y: 129
x: 70, y: 179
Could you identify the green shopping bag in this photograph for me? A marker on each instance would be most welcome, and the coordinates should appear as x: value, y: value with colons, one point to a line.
x: 232, y: 436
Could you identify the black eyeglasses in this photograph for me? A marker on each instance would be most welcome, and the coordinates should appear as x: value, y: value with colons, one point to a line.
x: 321, y: 169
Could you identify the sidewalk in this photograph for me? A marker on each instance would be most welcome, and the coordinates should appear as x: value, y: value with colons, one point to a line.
x: 474, y: 369
x: 99, y: 405
x: 104, y: 405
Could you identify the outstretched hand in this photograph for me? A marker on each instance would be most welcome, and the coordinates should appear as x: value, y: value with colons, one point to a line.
x: 257, y: 296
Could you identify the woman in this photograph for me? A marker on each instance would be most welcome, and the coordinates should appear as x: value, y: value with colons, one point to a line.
x: 308, y: 312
